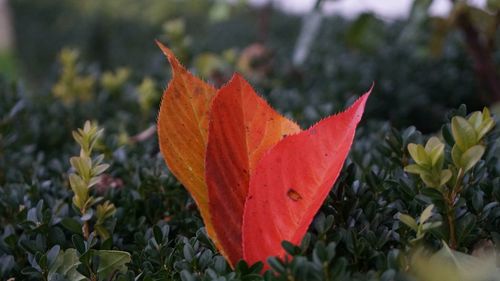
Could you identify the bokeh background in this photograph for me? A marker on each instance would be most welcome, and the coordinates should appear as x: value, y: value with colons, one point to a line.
x: 308, y: 57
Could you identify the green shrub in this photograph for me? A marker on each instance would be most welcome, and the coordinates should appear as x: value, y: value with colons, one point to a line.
x: 366, y: 229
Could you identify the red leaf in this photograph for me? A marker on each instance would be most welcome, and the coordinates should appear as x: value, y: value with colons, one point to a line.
x: 292, y: 180
x: 242, y: 127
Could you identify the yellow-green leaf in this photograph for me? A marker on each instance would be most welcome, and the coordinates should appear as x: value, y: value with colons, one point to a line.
x: 432, y: 143
x: 111, y: 262
x: 456, y: 156
x: 415, y: 169
x: 475, y: 119
x: 430, y: 225
x: 66, y: 265
x: 471, y: 157
x: 434, y: 149
x: 409, y: 221
x: 445, y: 176
x: 426, y: 214
x: 419, y: 154
x: 430, y: 181
x: 485, y: 127
x: 464, y: 134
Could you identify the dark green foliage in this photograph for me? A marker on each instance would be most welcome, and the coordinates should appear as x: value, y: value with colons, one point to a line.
x: 355, y: 236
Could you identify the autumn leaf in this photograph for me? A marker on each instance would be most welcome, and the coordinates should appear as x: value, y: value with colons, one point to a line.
x: 292, y: 180
x: 242, y: 127
x: 182, y: 132
x: 256, y: 178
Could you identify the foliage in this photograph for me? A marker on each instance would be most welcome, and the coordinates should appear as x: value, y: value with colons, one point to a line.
x: 466, y: 151
x: 356, y: 235
x: 376, y: 216
x: 429, y: 162
x: 71, y: 84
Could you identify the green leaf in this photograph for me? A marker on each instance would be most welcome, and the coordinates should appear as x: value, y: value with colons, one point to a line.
x: 290, y: 248
x: 430, y: 225
x: 432, y: 143
x: 82, y: 165
x: 465, y: 227
x: 409, y: 221
x: 52, y: 255
x: 72, y: 225
x: 157, y: 234
x: 464, y: 134
x: 78, y: 186
x: 430, y: 181
x: 220, y: 264
x: 486, y: 114
x: 66, y: 265
x: 78, y: 138
x: 472, y: 156
x: 475, y: 119
x: 99, y: 169
x: 102, y: 231
x: 435, y: 149
x: 445, y: 176
x: 456, y: 156
x: 416, y: 169
x: 188, y: 252
x: 187, y: 276
x: 485, y: 127
x: 105, y: 211
x: 276, y: 264
x: 419, y: 154
x: 426, y: 214
x: 477, y: 201
x: 79, y: 243
x: 110, y: 262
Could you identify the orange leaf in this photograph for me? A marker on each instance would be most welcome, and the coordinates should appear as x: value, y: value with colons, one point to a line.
x: 292, y: 180
x: 182, y: 132
x: 242, y: 127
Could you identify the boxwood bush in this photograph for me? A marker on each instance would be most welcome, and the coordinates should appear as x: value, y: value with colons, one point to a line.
x: 152, y: 229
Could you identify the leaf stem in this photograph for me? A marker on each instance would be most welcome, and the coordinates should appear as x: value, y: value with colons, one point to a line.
x: 451, y: 225
x: 450, y: 212
x: 85, y: 230
x: 85, y: 226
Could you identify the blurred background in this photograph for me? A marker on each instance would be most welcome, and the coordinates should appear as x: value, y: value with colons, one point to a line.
x: 309, y: 58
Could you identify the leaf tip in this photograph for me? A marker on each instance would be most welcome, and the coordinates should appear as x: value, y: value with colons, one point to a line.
x: 172, y: 59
